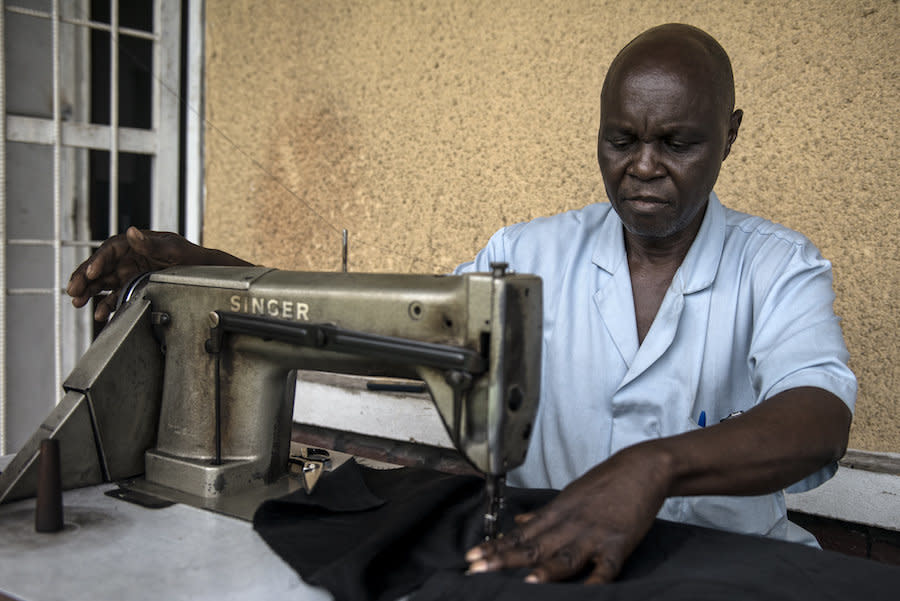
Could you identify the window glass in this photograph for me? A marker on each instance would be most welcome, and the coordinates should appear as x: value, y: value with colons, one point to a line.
x: 29, y: 67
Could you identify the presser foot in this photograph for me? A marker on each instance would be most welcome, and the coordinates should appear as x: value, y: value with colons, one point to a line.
x: 309, y: 467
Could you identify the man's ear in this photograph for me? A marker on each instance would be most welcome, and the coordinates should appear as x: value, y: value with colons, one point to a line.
x: 734, y: 124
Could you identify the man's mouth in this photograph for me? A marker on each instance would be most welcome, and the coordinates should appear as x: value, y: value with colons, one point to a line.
x: 645, y: 203
x: 645, y: 198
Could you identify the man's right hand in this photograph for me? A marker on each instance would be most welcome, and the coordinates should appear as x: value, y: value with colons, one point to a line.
x: 123, y: 257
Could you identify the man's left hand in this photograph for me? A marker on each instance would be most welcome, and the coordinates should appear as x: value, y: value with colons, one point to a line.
x: 591, y: 527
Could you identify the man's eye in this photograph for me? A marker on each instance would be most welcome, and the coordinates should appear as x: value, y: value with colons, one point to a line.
x: 676, y: 144
x: 619, y: 143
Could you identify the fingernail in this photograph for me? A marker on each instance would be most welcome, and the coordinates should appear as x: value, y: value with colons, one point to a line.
x: 478, y: 566
x: 90, y: 271
x: 474, y: 554
x: 532, y: 579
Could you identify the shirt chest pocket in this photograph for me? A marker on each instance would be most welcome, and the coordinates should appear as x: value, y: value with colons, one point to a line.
x: 660, y: 402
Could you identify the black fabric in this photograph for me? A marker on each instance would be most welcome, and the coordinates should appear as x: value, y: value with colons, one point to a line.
x: 380, y: 534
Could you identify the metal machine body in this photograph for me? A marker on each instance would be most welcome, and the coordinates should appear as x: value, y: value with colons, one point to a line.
x: 188, y: 391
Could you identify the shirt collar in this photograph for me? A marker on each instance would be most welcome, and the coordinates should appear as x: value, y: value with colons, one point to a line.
x: 697, y: 271
x: 609, y: 247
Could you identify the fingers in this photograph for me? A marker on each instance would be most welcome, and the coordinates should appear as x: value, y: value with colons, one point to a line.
x: 77, y: 285
x: 105, y: 307
x: 523, y: 518
x: 116, y: 261
x: 562, y: 565
x: 106, y: 259
x: 159, y: 250
x: 82, y: 284
x: 495, y: 556
x: 529, y: 527
x: 590, y: 527
x: 90, y: 289
x: 536, y: 538
x: 565, y: 539
x: 571, y: 561
x: 120, y: 258
x: 139, y: 242
x: 605, y: 570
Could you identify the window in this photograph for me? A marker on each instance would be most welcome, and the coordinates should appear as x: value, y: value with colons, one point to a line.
x: 93, y: 142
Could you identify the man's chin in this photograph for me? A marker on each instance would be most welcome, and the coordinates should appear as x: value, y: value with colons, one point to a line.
x: 659, y: 222
x: 652, y: 227
x: 654, y: 232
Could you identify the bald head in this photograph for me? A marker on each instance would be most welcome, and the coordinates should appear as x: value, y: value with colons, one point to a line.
x: 681, y: 51
x: 667, y: 121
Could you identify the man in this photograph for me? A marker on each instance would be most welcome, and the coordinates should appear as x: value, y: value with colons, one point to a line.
x: 664, y: 312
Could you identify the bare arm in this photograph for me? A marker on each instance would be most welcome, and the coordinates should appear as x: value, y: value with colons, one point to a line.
x: 600, y: 518
x: 777, y: 443
x: 127, y: 255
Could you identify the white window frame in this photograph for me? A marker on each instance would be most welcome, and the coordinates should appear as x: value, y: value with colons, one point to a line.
x: 161, y: 142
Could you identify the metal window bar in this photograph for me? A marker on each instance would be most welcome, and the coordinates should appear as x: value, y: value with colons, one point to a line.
x: 138, y: 33
x: 193, y: 176
x: 114, y: 118
x: 2, y: 229
x: 166, y: 101
x: 57, y: 203
x: 158, y: 142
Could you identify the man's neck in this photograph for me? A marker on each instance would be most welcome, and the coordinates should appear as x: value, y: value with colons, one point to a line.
x: 652, y: 263
x: 656, y: 254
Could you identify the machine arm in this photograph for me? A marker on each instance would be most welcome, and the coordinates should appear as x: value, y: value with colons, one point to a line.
x: 333, y: 338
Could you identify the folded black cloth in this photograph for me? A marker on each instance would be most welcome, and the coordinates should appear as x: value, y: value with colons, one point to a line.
x: 376, y: 535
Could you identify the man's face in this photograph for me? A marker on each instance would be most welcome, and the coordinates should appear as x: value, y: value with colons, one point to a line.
x: 663, y: 137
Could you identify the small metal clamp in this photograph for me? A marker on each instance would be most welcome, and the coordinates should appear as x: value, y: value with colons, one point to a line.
x: 309, y: 467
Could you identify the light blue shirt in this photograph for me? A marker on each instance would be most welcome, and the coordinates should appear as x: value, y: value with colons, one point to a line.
x: 747, y: 315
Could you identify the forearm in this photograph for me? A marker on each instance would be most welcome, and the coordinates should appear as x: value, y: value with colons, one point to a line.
x: 779, y: 442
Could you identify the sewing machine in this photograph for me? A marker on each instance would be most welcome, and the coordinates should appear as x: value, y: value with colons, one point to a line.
x: 187, y: 393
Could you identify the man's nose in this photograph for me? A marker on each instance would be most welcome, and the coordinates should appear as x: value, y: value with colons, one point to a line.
x: 645, y: 162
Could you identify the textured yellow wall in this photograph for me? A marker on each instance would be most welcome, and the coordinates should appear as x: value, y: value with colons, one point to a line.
x: 422, y: 127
